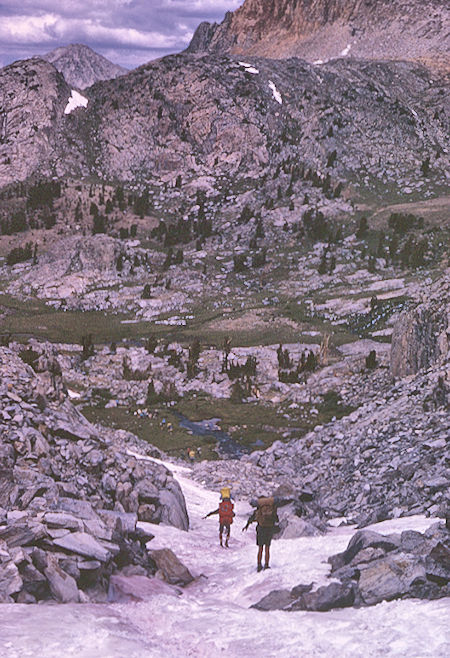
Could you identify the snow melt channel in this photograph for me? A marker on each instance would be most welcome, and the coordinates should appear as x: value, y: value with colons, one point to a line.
x: 75, y: 100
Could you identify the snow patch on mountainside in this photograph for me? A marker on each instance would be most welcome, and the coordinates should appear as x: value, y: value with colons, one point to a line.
x: 75, y: 100
x: 346, y: 50
x: 275, y: 92
x: 249, y: 68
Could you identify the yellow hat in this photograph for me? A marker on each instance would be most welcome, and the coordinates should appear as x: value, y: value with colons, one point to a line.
x: 225, y: 492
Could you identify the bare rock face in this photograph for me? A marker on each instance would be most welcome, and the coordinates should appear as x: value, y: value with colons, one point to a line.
x: 421, y: 336
x: 81, y: 66
x: 62, y: 586
x: 10, y: 580
x: 324, y: 29
x: 172, y: 570
x: 94, y: 258
x: 75, y: 264
x: 418, y: 340
x: 33, y: 99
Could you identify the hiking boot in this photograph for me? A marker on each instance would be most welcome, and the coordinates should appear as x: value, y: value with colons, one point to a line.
x: 266, y: 566
x: 226, y: 543
x: 259, y: 568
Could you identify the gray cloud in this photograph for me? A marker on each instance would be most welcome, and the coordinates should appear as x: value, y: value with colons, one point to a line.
x: 128, y: 32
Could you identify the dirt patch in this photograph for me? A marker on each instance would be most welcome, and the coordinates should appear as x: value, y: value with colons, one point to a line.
x: 435, y: 211
x: 252, y: 320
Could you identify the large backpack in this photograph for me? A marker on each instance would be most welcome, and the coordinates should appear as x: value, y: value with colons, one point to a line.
x: 226, y: 512
x: 265, y: 513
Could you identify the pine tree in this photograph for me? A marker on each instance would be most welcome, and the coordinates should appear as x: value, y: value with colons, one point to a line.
x: 323, y: 266
x: 169, y: 259
x: 331, y: 158
x: 362, y: 228
x: 371, y: 360
x: 372, y: 264
x: 147, y: 292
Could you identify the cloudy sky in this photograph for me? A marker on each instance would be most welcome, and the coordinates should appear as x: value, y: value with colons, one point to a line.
x: 128, y: 32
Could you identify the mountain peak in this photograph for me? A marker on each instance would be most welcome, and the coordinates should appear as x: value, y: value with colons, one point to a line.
x: 327, y: 29
x: 81, y: 66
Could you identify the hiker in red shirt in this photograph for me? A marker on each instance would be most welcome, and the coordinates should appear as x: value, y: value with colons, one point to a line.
x: 226, y: 514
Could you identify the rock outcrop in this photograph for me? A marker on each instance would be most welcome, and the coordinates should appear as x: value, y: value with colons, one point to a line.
x: 76, y: 265
x: 421, y: 336
x: 419, y: 339
x: 376, y: 568
x: 34, y: 95
x: 324, y: 29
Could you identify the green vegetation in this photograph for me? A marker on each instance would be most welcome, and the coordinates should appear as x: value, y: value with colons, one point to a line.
x: 34, y: 318
x: 381, y: 310
x: 20, y: 254
x: 167, y: 435
x: 254, y: 425
x: 333, y: 407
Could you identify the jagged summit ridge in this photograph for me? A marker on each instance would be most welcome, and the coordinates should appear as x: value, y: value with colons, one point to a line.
x: 81, y: 66
x: 325, y: 29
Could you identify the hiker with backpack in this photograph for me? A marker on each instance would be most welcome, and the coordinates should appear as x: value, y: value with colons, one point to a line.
x: 226, y: 514
x: 266, y: 518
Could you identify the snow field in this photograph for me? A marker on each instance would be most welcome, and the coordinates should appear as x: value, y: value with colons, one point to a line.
x: 213, y: 618
x: 216, y: 609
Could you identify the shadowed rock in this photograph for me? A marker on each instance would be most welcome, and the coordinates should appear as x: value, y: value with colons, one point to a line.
x: 279, y: 599
x: 172, y: 569
x: 335, y: 595
x: 374, y: 576
x: 62, y: 586
x: 10, y: 581
x: 361, y: 540
x: 81, y: 66
x: 22, y: 535
x: 389, y: 578
x: 173, y: 508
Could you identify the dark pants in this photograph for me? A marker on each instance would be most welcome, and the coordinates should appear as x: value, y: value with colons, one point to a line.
x: 226, y: 527
x: 263, y: 536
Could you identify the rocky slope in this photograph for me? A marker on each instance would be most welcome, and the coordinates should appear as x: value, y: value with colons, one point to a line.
x: 81, y: 66
x: 71, y: 495
x: 367, y: 124
x: 324, y: 29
